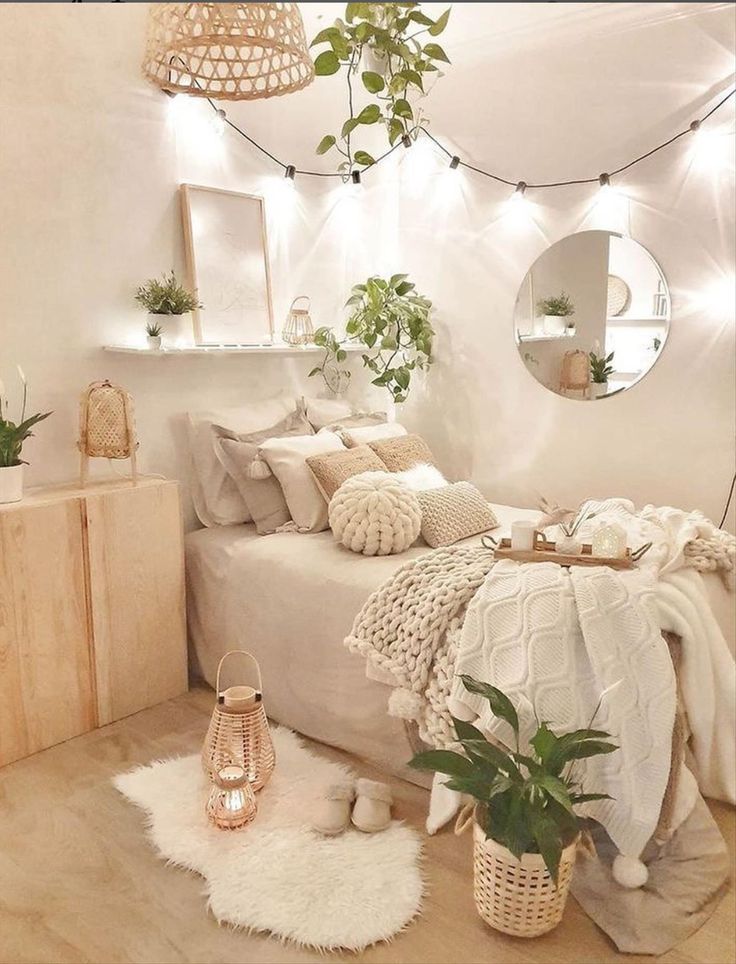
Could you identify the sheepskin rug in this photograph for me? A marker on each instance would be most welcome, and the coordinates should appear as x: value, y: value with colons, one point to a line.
x: 278, y: 875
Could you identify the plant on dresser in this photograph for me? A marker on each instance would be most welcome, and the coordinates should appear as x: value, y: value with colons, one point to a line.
x: 526, y: 828
x: 12, y: 437
x: 167, y: 302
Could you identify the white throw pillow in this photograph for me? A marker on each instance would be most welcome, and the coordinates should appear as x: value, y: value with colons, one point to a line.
x: 216, y: 499
x: 371, y: 433
x: 323, y: 411
x: 287, y: 460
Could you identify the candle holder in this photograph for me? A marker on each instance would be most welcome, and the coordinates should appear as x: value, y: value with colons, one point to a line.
x: 232, y: 802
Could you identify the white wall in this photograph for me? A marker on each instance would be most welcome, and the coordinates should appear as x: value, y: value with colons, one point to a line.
x: 90, y: 161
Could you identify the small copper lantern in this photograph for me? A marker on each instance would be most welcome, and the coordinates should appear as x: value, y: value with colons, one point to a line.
x: 232, y: 802
x: 298, y: 328
x: 106, y: 426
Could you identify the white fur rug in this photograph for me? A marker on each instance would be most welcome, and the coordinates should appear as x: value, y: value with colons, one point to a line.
x: 278, y: 875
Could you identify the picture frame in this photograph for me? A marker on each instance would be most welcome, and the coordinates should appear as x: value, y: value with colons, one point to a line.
x: 226, y: 246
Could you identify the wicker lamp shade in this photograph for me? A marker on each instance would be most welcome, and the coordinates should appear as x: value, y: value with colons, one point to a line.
x: 227, y: 51
x: 106, y: 425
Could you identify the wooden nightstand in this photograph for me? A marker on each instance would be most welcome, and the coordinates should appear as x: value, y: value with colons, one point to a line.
x: 92, y: 624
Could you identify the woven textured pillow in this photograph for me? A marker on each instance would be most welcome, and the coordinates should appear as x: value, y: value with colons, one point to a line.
x: 454, y: 512
x: 404, y: 452
x: 334, y: 468
x: 375, y: 514
x: 365, y: 434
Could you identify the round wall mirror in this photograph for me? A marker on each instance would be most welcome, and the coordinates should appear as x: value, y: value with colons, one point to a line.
x: 592, y: 315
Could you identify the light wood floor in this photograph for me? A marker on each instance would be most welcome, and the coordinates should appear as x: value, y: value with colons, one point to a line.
x: 79, y: 882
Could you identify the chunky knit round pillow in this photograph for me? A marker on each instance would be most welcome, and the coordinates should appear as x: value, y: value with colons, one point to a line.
x: 375, y: 514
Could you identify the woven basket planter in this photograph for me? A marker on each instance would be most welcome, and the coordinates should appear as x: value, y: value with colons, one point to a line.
x: 515, y: 896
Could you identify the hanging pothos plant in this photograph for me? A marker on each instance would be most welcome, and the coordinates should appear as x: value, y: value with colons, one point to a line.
x: 381, y: 43
x: 392, y: 321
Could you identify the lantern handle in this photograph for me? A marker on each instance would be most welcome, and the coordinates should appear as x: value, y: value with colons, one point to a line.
x: 238, y: 652
x: 298, y: 298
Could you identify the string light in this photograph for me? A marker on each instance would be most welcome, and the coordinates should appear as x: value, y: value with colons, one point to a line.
x: 219, y: 121
x: 406, y: 140
x: 355, y: 177
x: 290, y: 172
x: 454, y: 162
x: 519, y: 195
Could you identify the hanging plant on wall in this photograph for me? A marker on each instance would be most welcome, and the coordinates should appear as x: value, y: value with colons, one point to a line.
x: 382, y: 49
x: 392, y: 320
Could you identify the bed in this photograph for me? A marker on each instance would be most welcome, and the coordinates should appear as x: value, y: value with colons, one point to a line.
x: 290, y: 599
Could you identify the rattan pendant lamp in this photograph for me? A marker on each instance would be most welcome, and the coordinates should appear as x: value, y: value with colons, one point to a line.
x: 227, y: 51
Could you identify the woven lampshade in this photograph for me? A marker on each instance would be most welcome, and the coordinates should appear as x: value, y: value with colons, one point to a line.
x: 227, y: 51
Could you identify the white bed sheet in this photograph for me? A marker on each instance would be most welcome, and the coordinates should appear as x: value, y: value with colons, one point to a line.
x: 291, y: 599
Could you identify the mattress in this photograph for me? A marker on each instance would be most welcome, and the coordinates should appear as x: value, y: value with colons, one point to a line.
x: 290, y: 599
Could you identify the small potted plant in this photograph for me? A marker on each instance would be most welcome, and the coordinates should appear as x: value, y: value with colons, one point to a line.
x: 554, y: 312
x: 600, y: 369
x: 12, y: 437
x: 167, y: 303
x: 153, y: 335
x: 525, y: 825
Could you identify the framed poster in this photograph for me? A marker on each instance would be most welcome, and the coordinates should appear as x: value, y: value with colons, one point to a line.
x: 227, y: 261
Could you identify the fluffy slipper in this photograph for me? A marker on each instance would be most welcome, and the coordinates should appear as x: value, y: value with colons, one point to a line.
x: 372, y: 810
x: 333, y: 812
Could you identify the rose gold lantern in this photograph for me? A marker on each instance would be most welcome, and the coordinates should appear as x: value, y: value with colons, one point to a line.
x: 232, y: 802
x: 238, y: 731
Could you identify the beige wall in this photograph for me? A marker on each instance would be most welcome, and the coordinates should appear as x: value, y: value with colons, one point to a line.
x: 90, y: 161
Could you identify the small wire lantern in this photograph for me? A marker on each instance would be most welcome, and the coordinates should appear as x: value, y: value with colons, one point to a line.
x: 298, y: 328
x: 238, y: 732
x: 227, y: 51
x: 106, y: 426
x: 232, y: 802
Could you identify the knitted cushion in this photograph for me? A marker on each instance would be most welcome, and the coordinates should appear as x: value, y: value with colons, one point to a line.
x: 454, y: 512
x: 334, y: 468
x: 374, y: 514
x: 403, y: 452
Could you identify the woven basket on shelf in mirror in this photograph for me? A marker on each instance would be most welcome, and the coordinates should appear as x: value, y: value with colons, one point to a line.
x: 227, y: 51
x: 518, y: 897
x: 106, y: 425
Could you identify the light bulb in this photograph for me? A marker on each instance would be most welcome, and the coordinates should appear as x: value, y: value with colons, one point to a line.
x: 454, y: 163
x: 518, y: 198
x: 711, y: 149
x: 406, y: 140
x: 218, y: 122
x: 355, y: 177
x: 290, y: 172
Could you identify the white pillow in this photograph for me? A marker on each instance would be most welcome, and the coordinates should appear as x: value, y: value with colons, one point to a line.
x: 421, y: 477
x: 216, y: 499
x: 370, y: 433
x: 323, y: 411
x: 287, y: 460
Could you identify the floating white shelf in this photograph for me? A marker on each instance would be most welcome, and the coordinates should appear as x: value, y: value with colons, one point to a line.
x: 644, y: 321
x: 527, y: 338
x: 224, y: 350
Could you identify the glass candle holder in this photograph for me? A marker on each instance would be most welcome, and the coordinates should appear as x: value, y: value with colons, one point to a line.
x: 609, y: 542
x: 232, y: 802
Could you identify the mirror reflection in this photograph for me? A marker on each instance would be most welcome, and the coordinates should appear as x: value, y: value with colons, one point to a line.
x: 592, y: 315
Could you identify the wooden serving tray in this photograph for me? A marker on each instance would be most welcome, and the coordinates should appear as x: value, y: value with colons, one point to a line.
x: 545, y: 552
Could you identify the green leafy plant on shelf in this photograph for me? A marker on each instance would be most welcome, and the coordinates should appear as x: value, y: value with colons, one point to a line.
x: 560, y: 306
x: 165, y: 296
x: 14, y: 434
x: 153, y: 329
x: 525, y: 801
x: 392, y: 321
x: 600, y: 367
x: 381, y: 43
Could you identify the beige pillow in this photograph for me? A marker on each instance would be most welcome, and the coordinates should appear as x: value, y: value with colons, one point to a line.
x: 454, y: 512
x: 402, y: 453
x: 359, y: 420
x: 331, y: 470
x: 253, y: 477
x: 363, y: 434
x: 287, y: 460
x: 324, y: 411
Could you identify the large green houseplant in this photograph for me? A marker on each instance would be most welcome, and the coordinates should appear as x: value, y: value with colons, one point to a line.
x: 524, y: 800
x: 388, y: 51
x: 12, y: 436
x: 392, y: 321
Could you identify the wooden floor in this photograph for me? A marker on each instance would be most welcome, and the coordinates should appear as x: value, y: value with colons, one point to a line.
x: 79, y: 882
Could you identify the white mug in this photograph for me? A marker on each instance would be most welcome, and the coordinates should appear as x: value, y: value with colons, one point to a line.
x: 524, y: 535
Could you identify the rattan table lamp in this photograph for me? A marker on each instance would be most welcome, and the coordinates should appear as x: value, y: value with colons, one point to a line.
x: 106, y: 426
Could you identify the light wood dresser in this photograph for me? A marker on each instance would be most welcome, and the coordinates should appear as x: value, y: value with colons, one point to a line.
x: 92, y: 624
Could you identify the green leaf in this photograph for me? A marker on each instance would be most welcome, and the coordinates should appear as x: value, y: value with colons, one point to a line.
x: 341, y: 354
x: 349, y: 126
x: 395, y: 130
x: 557, y: 790
x: 369, y: 114
x: 403, y: 378
x: 440, y: 23
x: 500, y: 704
x: 404, y: 288
x: 396, y: 278
x: 442, y: 761
x: 352, y: 10
x: 326, y: 143
x: 364, y: 158
x: 581, y: 751
x: 314, y: 371
x: 498, y: 758
x: 589, y: 797
x: 548, y: 840
x: 412, y: 77
x: 543, y: 741
x: 418, y: 17
x: 476, y: 786
x: 402, y: 108
x: 373, y: 82
x: 436, y: 52
x: 324, y: 36
x: 363, y: 31
x: 326, y: 64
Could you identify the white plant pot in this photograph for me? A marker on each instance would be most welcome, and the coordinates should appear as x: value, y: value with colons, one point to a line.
x: 555, y: 324
x: 11, y: 483
x: 568, y: 545
x: 599, y: 389
x: 570, y: 331
x: 176, y: 330
x: 154, y: 342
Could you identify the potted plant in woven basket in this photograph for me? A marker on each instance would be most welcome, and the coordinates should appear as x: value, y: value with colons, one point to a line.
x: 12, y: 437
x: 525, y: 828
x: 168, y: 304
